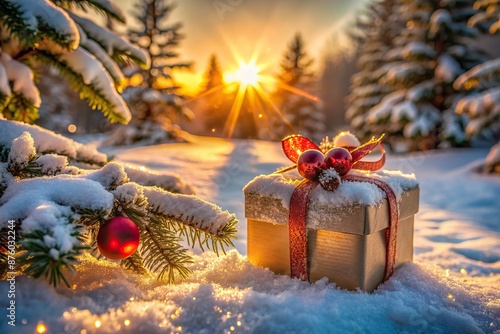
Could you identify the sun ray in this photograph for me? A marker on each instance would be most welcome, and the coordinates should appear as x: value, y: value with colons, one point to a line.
x: 235, y: 112
x: 298, y: 91
x: 208, y: 92
x: 274, y: 107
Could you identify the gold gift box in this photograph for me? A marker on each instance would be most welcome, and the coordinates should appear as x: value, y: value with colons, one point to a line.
x: 350, y: 251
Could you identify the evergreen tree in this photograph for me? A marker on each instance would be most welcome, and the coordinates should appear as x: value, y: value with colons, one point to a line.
x: 373, y: 38
x: 153, y: 93
x: 51, y: 32
x: 213, y: 75
x: 429, y: 54
x: 295, y: 84
x: 483, y: 108
x: 338, y: 68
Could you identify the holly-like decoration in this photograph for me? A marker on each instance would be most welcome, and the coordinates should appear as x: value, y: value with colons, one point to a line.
x: 316, y: 166
x: 118, y: 238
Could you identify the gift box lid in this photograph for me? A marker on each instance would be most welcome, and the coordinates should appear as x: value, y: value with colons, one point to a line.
x: 354, y: 207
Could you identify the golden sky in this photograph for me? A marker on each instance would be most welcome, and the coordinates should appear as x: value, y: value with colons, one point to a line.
x: 247, y: 27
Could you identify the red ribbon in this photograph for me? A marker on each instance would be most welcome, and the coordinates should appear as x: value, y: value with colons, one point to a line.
x: 391, y: 232
x: 297, y: 229
x: 293, y: 146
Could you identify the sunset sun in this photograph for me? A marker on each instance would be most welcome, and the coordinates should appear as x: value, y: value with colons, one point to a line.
x: 246, y: 74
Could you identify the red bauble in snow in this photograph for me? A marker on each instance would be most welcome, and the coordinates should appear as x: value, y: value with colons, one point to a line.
x: 118, y: 238
x: 339, y: 159
x: 310, y: 164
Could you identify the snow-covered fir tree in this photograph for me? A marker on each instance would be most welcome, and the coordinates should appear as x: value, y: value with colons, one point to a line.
x: 53, y: 33
x: 428, y: 55
x: 295, y: 84
x: 153, y: 94
x: 373, y: 38
x: 483, y: 108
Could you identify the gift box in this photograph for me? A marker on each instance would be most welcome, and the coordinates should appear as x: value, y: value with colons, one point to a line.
x: 346, y: 228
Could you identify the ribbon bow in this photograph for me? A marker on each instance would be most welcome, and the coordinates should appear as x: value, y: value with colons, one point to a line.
x: 295, y: 145
x: 316, y: 168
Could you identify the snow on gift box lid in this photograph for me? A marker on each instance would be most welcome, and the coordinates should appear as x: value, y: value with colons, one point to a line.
x: 267, y: 199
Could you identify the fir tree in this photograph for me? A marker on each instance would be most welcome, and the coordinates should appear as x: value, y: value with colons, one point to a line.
x: 153, y: 93
x: 373, y: 38
x: 215, y: 107
x: 56, y: 209
x: 295, y: 83
x: 338, y: 67
x: 213, y: 75
x: 429, y: 54
x: 51, y: 32
x: 483, y: 108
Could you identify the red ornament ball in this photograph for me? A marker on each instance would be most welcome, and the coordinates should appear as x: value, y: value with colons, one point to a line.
x: 310, y: 164
x: 118, y: 238
x: 339, y: 159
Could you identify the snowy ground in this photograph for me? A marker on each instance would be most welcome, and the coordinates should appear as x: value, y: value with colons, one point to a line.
x: 453, y: 286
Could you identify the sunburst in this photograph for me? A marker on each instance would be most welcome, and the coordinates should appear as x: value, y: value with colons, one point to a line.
x: 255, y: 87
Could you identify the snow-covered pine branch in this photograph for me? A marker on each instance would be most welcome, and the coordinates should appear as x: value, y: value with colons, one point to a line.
x: 106, y: 7
x: 86, y: 54
x: 59, y: 208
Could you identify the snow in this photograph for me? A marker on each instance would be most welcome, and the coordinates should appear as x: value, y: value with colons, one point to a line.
x: 440, y: 18
x: 422, y: 125
x: 346, y: 139
x: 493, y: 157
x: 167, y: 180
x: 478, y: 72
x: 109, y: 41
x: 448, y: 69
x: 384, y: 108
x: 420, y: 91
x: 418, y: 49
x: 281, y: 186
x: 110, y: 65
x: 4, y: 81
x: 452, y: 286
x: 203, y: 215
x: 405, y: 110
x: 51, y: 164
x: 22, y: 150
x: 46, y: 141
x: 22, y: 199
x: 93, y: 72
x: 22, y: 78
x: 43, y: 15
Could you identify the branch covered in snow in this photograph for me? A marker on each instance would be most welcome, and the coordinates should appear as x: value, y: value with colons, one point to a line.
x: 48, y: 31
x: 59, y: 209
